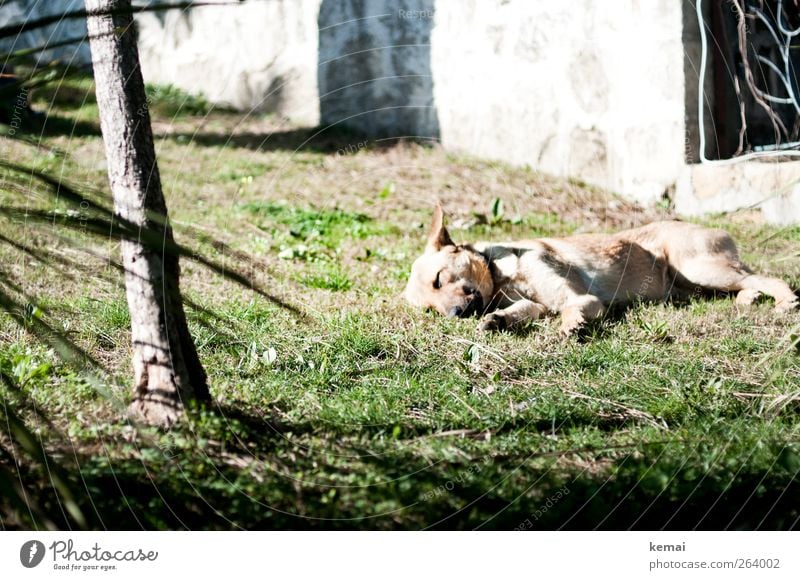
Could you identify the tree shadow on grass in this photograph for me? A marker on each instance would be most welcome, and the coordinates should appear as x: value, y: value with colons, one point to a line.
x: 255, y: 473
x: 636, y: 498
x: 642, y: 495
x: 132, y: 497
x: 42, y: 125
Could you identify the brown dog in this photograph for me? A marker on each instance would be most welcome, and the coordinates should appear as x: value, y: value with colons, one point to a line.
x: 580, y: 276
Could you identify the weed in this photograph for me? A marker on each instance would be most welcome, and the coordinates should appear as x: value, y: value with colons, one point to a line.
x: 170, y: 101
x: 328, y: 277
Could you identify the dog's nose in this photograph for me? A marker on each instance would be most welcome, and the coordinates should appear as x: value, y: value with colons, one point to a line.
x: 455, y: 311
x: 475, y: 304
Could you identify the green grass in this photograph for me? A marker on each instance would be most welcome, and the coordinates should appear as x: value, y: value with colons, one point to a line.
x: 363, y: 413
x: 329, y: 278
x: 170, y: 101
x: 328, y: 228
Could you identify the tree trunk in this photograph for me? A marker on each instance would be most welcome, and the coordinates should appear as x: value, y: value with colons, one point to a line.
x: 167, y: 370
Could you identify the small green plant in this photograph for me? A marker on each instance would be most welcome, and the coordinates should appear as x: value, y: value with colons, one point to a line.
x: 496, y: 212
x: 656, y: 330
x: 25, y: 368
x: 387, y: 191
x: 169, y: 100
x: 328, y: 277
x: 30, y: 314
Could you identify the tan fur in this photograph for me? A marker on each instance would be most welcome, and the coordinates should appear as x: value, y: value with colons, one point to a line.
x: 580, y: 276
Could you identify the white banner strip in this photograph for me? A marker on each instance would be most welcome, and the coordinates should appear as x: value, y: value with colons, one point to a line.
x: 400, y: 555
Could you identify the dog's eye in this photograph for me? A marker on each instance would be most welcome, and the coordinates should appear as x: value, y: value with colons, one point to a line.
x: 437, y: 283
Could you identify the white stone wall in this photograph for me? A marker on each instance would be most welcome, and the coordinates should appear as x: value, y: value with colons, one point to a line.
x: 590, y: 89
x: 584, y: 88
x: 770, y: 186
x: 255, y: 56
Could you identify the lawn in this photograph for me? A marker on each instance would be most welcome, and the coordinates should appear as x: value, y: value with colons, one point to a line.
x: 336, y: 405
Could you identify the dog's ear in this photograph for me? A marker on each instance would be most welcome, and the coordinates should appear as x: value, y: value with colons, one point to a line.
x: 438, y: 237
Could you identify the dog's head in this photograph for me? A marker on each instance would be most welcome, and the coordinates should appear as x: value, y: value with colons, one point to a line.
x: 453, y: 280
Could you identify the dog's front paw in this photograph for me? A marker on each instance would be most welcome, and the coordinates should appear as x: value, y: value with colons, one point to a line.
x: 571, y: 323
x: 493, y: 323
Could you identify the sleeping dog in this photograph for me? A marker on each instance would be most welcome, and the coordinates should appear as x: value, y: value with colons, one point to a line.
x: 580, y: 276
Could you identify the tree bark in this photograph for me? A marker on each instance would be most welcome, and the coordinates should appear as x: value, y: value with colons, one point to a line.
x: 167, y: 370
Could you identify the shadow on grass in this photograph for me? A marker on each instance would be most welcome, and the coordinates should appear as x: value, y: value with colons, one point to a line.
x: 413, y: 495
x: 39, y: 125
x: 325, y: 140
x: 316, y: 140
x: 617, y: 314
x: 251, y: 472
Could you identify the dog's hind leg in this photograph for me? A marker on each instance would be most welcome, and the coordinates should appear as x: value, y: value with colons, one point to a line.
x: 729, y: 275
x: 752, y: 285
x: 747, y: 296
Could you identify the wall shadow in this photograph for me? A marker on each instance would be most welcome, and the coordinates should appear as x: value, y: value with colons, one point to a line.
x: 330, y: 140
x: 374, y: 70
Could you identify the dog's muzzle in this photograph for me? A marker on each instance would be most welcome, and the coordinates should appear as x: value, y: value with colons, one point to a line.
x: 472, y: 307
